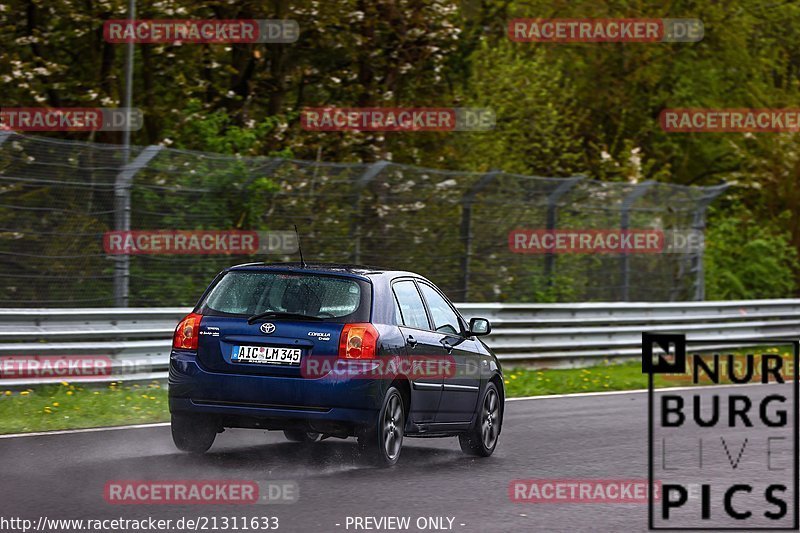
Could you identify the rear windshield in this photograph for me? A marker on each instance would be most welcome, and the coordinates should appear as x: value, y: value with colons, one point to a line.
x: 332, y: 298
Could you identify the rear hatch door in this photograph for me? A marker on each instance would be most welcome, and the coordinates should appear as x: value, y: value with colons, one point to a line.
x: 305, y: 312
x: 229, y: 344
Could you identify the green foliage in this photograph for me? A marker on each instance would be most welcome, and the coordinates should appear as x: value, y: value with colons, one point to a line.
x: 218, y: 132
x: 538, y: 122
x: 560, y: 109
x: 557, y: 289
x: 748, y: 258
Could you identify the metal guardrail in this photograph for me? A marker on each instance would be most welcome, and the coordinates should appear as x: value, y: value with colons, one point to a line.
x: 567, y: 334
x: 137, y: 340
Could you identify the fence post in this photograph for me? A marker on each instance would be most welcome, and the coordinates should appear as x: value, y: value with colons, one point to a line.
x: 550, y: 223
x: 466, y: 227
x: 699, y: 223
x: 122, y: 220
x: 624, y: 224
x: 355, y: 224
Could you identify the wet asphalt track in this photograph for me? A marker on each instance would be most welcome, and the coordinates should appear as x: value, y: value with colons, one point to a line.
x: 587, y: 437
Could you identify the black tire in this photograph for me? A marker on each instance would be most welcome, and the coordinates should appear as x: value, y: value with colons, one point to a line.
x: 298, y: 435
x: 381, y: 444
x: 193, y: 433
x: 481, y: 439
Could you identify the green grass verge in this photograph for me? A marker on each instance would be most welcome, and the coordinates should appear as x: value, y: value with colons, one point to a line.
x: 73, y: 405
x: 606, y: 377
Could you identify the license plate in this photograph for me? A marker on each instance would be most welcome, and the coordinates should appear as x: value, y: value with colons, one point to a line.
x: 266, y: 355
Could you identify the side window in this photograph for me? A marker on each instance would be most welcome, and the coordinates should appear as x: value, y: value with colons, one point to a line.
x: 411, y: 306
x: 445, y: 320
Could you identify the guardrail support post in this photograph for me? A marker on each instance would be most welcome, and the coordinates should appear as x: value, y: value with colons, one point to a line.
x: 122, y: 220
x: 624, y: 224
x: 466, y: 227
x: 355, y: 224
x: 552, y: 209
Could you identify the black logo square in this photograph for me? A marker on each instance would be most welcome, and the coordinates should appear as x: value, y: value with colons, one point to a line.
x: 663, y: 365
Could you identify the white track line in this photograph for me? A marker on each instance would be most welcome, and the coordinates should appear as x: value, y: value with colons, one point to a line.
x: 618, y: 392
x: 545, y: 397
x: 85, y: 430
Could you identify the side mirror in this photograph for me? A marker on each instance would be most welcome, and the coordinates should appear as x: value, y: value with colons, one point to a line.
x: 479, y: 326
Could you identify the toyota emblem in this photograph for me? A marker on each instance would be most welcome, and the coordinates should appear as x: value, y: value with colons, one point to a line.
x: 267, y: 327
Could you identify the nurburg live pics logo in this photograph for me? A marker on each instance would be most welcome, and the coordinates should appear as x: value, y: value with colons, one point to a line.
x: 725, y: 455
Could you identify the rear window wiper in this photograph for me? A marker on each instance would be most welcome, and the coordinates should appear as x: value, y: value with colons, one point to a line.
x: 278, y: 314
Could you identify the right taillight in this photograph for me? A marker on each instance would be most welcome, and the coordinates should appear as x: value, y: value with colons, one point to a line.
x: 358, y: 341
x: 187, y: 332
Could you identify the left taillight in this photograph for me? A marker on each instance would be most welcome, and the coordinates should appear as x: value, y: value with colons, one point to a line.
x: 358, y: 341
x: 187, y: 332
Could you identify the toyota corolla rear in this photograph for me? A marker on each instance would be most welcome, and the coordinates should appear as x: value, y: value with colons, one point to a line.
x: 265, y: 347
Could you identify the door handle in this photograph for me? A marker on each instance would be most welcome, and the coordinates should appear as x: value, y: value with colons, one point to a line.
x: 412, y: 342
x: 447, y: 346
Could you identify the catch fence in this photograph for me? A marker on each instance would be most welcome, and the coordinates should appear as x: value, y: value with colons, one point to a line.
x: 58, y: 199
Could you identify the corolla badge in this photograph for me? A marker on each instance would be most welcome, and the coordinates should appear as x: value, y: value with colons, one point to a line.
x: 267, y: 327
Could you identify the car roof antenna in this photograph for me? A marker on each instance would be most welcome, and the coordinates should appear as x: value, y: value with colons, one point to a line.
x: 299, y: 248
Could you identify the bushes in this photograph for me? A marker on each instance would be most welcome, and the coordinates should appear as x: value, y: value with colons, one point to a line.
x: 748, y: 258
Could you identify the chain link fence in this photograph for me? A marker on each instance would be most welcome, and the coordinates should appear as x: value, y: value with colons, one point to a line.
x: 59, y: 198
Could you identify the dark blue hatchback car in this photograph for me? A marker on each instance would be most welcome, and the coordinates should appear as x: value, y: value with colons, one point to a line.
x: 333, y: 351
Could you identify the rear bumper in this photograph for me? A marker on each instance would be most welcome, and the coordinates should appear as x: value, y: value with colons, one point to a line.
x: 272, y: 402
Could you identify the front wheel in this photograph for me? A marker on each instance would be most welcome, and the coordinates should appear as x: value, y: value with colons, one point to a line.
x: 481, y: 440
x: 382, y: 443
x: 193, y: 433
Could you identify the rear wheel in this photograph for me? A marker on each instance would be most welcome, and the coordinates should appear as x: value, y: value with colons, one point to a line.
x: 193, y: 433
x: 382, y: 443
x: 481, y: 440
x: 297, y: 435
